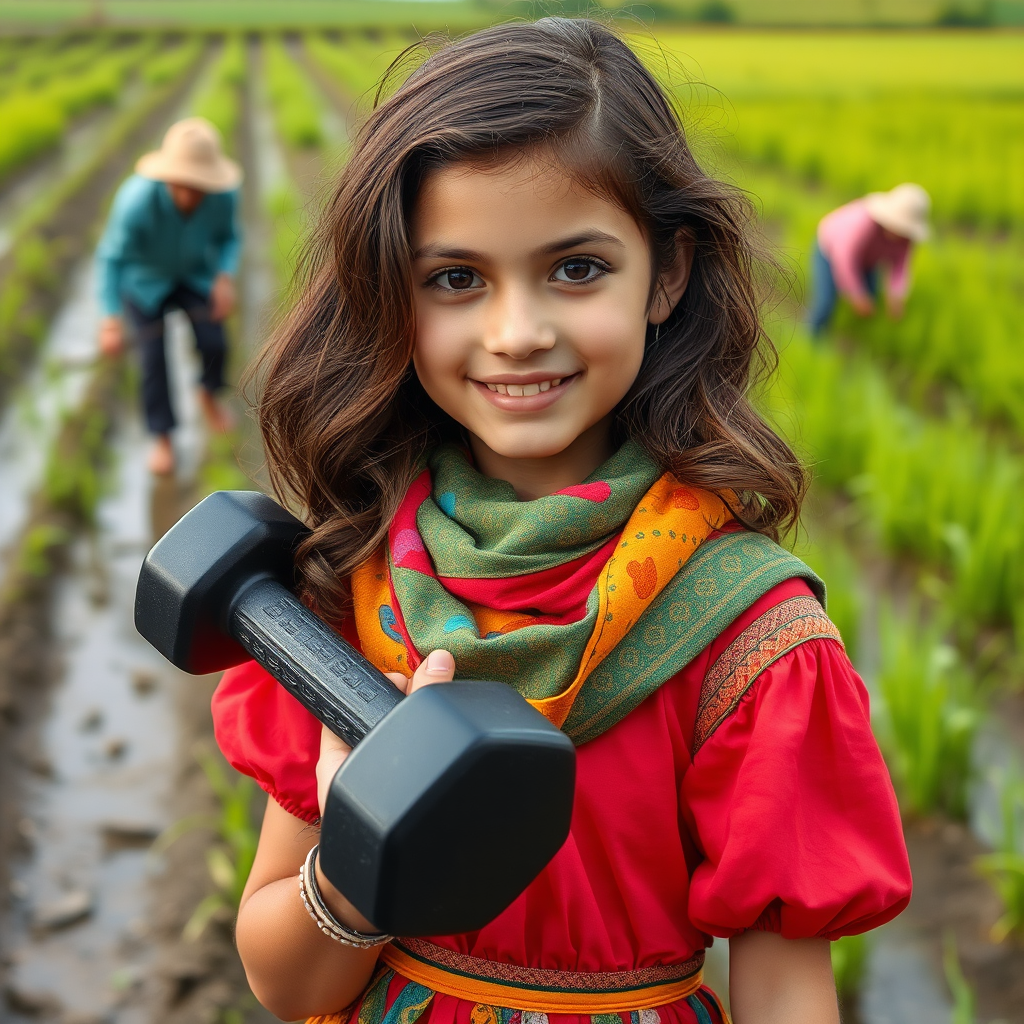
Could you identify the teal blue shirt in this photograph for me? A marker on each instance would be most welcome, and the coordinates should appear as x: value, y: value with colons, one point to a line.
x: 149, y: 248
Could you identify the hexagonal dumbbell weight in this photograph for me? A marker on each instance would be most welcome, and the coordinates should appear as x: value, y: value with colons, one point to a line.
x: 453, y: 799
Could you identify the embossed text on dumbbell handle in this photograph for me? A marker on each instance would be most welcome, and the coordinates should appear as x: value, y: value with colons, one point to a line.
x: 323, y: 672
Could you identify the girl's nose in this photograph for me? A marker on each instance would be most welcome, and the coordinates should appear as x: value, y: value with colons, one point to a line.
x: 516, y: 326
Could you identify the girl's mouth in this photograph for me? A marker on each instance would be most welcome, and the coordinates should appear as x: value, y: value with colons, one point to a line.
x: 525, y: 396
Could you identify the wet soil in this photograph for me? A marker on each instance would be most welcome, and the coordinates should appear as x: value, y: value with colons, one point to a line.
x: 950, y: 895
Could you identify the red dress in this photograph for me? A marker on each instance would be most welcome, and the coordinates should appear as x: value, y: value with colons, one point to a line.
x: 776, y: 813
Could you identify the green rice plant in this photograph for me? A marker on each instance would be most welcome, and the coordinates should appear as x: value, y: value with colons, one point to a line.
x: 295, y: 106
x: 849, y: 962
x: 966, y: 150
x: 940, y: 490
x: 35, y: 555
x: 288, y: 218
x: 35, y: 119
x: 32, y: 124
x: 929, y: 714
x: 73, y: 479
x: 356, y: 64
x: 1004, y: 868
x: 33, y: 261
x: 229, y: 860
x: 221, y: 102
x: 964, y: 1011
x: 172, y: 63
x: 961, y: 327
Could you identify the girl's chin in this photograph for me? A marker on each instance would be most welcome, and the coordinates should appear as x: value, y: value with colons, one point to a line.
x: 525, y: 445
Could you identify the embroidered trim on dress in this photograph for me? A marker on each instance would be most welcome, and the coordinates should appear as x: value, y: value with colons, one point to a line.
x: 540, y: 990
x: 545, y: 979
x: 772, y: 635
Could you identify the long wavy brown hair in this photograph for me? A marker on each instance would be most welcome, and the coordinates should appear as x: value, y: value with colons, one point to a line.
x: 343, y: 416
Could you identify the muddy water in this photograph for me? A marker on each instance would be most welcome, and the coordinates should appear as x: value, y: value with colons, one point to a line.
x: 106, y: 749
x: 32, y: 417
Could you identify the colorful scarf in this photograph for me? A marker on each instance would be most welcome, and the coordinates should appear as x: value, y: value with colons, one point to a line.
x: 536, y: 594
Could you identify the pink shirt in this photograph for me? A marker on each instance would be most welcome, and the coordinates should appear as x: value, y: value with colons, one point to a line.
x: 853, y: 243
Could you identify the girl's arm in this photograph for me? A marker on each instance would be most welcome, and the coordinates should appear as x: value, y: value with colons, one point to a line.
x: 295, y: 970
x: 773, y: 980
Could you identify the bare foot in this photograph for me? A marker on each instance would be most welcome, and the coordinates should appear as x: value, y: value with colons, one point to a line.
x: 218, y: 416
x: 161, y: 456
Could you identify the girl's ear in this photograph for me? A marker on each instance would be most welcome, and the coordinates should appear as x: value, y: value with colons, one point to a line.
x: 673, y: 280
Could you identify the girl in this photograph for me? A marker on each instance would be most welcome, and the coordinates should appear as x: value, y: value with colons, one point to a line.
x: 511, y: 403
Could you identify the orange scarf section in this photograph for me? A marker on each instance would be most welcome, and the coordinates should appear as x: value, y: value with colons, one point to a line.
x: 665, y: 529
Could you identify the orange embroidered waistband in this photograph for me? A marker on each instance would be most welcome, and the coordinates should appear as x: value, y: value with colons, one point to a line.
x: 539, y: 990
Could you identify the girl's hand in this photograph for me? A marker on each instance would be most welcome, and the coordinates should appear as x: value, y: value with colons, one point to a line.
x: 437, y: 667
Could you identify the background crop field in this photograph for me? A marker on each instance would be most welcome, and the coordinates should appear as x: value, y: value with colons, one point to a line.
x: 912, y: 430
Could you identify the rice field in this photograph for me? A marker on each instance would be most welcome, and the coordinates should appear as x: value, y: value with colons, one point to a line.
x: 914, y: 428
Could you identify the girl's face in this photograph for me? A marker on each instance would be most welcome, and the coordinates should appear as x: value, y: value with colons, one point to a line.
x: 531, y: 299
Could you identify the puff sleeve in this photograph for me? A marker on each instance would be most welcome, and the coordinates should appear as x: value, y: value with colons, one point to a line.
x: 264, y: 732
x: 789, y: 800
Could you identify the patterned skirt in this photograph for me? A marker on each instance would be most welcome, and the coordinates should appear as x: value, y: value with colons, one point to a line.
x: 449, y: 988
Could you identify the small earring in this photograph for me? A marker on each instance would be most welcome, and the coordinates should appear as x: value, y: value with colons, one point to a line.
x: 657, y: 334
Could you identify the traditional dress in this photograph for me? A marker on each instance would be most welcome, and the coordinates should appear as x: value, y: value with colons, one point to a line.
x: 727, y: 777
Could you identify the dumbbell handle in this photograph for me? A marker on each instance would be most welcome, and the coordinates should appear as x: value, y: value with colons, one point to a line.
x: 325, y: 674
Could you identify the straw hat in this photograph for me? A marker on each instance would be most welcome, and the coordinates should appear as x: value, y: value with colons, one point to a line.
x: 903, y: 210
x: 191, y: 155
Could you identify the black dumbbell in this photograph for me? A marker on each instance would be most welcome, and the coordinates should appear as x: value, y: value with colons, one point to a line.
x: 453, y: 799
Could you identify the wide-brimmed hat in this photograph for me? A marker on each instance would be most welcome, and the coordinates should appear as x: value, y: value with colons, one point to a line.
x: 903, y: 210
x: 191, y: 154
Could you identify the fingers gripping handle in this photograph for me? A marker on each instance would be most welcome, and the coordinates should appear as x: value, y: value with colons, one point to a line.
x: 324, y: 673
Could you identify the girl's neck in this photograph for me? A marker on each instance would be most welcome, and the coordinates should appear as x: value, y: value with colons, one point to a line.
x: 535, y: 478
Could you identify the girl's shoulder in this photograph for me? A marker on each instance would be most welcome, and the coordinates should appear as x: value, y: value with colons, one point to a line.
x: 785, y: 631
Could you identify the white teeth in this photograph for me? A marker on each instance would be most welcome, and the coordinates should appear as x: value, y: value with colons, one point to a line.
x: 524, y: 390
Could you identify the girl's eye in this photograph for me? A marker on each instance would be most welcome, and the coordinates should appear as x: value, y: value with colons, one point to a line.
x: 456, y: 279
x: 578, y: 270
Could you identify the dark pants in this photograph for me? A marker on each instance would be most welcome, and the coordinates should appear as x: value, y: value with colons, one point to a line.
x: 824, y: 293
x: 149, y: 334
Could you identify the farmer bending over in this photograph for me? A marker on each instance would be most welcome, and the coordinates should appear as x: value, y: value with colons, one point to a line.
x: 172, y: 242
x: 855, y: 240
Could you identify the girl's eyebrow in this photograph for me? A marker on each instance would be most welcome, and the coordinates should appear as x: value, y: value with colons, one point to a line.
x: 439, y: 251
x: 583, y: 238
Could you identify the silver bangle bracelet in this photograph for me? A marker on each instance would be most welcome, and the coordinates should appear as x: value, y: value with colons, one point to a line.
x: 313, y: 901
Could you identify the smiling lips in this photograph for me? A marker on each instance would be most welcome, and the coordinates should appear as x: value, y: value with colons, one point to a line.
x: 524, y: 395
